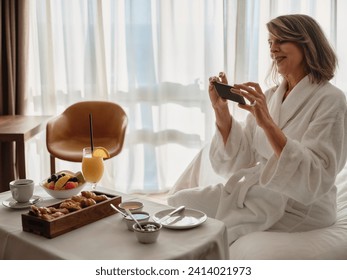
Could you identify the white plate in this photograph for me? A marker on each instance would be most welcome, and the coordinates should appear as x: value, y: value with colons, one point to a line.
x: 188, y: 218
x: 11, y: 203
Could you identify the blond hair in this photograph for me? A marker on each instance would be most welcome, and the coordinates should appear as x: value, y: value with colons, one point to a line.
x: 320, y: 58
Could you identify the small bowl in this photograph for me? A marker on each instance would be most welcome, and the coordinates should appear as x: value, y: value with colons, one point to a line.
x: 140, y: 216
x: 63, y: 194
x: 131, y: 205
x: 147, y: 236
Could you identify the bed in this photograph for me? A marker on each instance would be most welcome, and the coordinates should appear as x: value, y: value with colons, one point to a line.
x: 324, y: 244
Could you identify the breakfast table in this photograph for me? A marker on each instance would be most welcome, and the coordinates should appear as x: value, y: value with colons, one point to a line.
x: 108, y: 238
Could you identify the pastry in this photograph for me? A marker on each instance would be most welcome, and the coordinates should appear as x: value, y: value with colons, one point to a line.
x: 99, y: 198
x: 61, y: 210
x: 87, y: 202
x: 77, y: 198
x: 35, y: 211
x: 88, y: 194
x: 71, y: 205
x: 77, y: 202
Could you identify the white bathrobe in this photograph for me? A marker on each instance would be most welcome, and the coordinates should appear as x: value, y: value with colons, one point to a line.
x: 295, y: 192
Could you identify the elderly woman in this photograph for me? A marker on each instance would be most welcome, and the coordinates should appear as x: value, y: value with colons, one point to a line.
x: 282, y: 163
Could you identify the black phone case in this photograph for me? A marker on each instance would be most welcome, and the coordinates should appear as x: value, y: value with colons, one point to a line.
x: 224, y: 92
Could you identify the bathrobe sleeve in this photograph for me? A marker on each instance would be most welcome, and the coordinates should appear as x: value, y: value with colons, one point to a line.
x: 307, y: 167
x: 238, y: 152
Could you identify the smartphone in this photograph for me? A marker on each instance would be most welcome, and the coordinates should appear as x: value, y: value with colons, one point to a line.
x: 224, y: 92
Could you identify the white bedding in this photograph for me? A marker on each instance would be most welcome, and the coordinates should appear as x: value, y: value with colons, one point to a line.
x: 325, y: 243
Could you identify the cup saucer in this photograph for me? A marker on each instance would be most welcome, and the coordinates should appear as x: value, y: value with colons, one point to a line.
x: 11, y: 203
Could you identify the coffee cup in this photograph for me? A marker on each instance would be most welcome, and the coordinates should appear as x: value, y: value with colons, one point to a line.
x: 22, y: 190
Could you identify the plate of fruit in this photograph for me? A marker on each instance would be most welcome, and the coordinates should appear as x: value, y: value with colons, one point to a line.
x: 64, y: 184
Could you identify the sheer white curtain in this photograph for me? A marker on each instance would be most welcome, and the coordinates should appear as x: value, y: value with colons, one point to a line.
x: 154, y: 59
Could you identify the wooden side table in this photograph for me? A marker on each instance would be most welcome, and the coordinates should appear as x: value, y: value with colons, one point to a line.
x: 20, y: 128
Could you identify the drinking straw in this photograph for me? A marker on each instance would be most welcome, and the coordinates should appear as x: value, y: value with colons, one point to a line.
x: 91, y: 131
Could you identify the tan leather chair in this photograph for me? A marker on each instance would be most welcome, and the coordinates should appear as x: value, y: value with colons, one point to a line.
x: 68, y: 133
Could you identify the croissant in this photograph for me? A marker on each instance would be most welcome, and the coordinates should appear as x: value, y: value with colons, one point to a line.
x: 77, y: 198
x: 61, y: 210
x: 99, y: 198
x: 87, y: 202
x: 70, y: 205
x: 35, y: 211
x: 88, y: 194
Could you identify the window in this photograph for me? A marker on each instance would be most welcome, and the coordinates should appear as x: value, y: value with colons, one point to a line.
x: 154, y: 58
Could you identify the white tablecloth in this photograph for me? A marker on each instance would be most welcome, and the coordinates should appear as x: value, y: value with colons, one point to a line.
x: 109, y: 238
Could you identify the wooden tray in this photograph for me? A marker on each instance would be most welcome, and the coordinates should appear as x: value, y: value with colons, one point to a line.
x: 71, y: 221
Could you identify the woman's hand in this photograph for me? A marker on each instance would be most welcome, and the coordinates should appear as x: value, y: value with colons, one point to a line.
x: 216, y: 100
x: 220, y: 106
x: 258, y: 108
x: 257, y: 102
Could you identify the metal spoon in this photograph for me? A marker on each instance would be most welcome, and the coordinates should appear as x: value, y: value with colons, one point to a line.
x: 34, y: 200
x: 132, y: 216
x: 120, y: 212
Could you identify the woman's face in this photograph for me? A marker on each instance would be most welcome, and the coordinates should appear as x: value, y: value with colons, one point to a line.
x: 288, y: 57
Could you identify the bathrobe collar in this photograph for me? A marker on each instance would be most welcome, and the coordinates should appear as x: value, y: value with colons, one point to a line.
x: 282, y: 112
x: 299, y: 96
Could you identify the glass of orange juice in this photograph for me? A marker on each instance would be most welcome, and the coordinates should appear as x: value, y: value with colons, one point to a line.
x: 92, y: 165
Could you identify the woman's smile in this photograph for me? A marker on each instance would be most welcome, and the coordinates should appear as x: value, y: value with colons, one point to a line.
x: 279, y: 59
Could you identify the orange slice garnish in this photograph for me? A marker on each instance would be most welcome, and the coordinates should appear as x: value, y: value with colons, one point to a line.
x: 101, y: 152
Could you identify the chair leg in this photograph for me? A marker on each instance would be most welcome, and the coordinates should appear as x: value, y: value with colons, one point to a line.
x: 52, y: 164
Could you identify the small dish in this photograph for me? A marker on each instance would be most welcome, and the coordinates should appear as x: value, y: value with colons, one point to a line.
x: 140, y: 216
x: 190, y: 218
x: 131, y: 205
x: 11, y: 203
x: 149, y: 233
